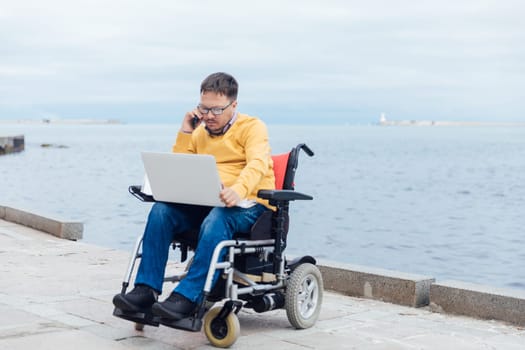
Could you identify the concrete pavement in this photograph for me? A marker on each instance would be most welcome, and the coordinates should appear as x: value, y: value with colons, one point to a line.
x: 56, y: 294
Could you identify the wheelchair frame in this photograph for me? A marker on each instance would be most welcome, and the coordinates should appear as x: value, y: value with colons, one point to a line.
x: 294, y: 285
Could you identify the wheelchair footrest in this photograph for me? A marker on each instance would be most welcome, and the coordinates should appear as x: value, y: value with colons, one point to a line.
x: 188, y: 324
x: 137, y: 317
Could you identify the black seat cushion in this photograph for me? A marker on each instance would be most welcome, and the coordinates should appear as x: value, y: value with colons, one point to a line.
x: 262, y: 229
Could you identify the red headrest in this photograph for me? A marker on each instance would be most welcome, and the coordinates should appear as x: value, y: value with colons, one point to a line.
x: 280, y: 162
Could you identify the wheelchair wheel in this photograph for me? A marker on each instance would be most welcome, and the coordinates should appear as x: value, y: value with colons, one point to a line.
x: 304, y: 294
x: 221, y: 333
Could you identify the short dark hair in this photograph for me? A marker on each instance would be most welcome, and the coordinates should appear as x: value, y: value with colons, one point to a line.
x: 221, y: 83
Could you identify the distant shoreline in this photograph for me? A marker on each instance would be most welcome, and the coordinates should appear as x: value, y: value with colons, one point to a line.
x: 379, y: 123
x: 62, y: 121
x: 445, y: 123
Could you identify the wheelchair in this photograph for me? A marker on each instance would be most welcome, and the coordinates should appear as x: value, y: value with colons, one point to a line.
x: 255, y: 272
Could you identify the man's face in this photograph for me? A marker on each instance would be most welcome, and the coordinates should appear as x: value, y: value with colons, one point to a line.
x: 215, y: 123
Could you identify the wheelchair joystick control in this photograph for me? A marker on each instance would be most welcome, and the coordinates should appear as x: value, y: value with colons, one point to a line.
x: 267, y: 302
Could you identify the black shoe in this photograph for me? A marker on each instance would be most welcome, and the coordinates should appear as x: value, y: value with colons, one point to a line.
x: 140, y: 299
x: 175, y: 307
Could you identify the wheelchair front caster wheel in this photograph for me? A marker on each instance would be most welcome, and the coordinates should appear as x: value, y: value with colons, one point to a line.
x: 221, y: 333
x: 303, y: 296
x: 139, y: 326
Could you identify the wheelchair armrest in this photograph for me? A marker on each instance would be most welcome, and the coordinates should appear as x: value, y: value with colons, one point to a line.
x: 282, y: 195
x: 136, y: 191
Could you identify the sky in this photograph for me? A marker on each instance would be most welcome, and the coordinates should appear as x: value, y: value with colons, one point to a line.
x: 302, y: 62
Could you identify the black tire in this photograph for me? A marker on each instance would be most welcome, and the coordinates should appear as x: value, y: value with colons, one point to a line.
x: 304, y: 295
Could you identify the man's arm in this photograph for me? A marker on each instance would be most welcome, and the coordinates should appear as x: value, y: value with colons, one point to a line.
x: 258, y: 158
x: 183, y: 143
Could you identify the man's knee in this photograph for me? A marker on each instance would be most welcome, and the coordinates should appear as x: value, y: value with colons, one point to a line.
x: 215, y: 226
x: 159, y: 209
x: 163, y: 219
x: 163, y: 211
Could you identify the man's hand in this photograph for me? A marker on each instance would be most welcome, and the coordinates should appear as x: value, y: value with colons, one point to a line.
x: 191, y: 121
x: 229, y: 197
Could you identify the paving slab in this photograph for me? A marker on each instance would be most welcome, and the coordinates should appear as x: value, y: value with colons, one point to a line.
x: 56, y: 294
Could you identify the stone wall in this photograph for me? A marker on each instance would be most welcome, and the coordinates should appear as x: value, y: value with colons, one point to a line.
x: 71, y: 230
x: 10, y: 144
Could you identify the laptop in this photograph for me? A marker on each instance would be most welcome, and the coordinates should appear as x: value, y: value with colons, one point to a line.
x: 182, y: 178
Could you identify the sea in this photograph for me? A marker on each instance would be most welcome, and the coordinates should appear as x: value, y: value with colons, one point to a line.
x: 446, y: 202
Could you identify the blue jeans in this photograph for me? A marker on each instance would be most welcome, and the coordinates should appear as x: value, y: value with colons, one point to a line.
x: 167, y: 220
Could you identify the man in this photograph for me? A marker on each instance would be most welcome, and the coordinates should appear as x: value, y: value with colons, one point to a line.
x: 240, y: 145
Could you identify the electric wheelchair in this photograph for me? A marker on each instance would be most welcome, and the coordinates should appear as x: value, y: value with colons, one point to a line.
x: 255, y: 272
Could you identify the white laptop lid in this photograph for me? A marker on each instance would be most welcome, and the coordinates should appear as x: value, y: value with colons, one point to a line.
x: 183, y: 178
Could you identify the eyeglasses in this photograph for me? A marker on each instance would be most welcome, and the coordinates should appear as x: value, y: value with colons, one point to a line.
x: 214, y: 110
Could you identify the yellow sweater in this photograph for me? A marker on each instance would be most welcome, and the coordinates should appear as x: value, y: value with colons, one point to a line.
x: 243, y: 155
